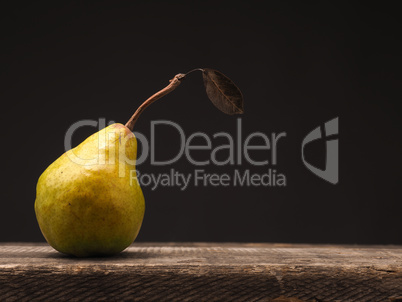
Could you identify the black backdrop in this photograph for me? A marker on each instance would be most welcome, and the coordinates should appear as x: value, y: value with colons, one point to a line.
x: 298, y: 66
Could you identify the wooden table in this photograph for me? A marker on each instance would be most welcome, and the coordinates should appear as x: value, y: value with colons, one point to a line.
x: 204, y: 272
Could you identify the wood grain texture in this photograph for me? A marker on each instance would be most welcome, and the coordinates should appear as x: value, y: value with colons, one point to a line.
x: 204, y: 272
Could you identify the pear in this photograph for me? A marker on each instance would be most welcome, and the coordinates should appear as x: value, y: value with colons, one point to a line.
x: 89, y: 202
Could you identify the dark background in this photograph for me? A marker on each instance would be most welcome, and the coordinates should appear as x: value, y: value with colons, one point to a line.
x: 298, y: 66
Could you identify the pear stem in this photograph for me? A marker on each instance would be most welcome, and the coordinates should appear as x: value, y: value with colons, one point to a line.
x: 174, y: 83
x: 195, y: 69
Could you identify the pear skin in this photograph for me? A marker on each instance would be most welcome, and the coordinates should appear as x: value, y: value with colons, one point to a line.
x: 88, y: 201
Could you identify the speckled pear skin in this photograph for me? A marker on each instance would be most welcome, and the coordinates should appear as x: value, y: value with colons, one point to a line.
x: 86, y: 204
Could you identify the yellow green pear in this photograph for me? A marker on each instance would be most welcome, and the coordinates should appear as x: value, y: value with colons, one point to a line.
x: 89, y: 201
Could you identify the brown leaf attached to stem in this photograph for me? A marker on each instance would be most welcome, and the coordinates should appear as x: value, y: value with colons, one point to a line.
x: 222, y: 92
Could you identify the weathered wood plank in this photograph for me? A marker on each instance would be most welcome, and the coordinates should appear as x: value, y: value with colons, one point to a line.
x: 202, y: 271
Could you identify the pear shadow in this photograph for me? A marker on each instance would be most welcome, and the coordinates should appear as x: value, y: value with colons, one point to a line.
x: 101, y: 258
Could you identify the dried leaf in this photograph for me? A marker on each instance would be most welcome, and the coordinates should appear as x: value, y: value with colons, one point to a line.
x: 222, y: 92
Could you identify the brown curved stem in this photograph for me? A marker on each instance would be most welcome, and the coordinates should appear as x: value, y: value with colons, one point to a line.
x: 195, y: 69
x: 169, y: 88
